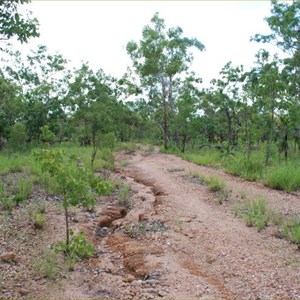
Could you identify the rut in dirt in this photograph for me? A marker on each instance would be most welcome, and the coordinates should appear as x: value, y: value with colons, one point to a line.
x: 211, y: 252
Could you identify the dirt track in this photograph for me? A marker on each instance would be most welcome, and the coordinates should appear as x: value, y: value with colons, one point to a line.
x: 204, y: 251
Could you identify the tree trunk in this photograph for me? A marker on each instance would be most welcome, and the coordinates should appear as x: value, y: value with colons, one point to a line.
x: 268, y: 150
x: 67, y: 225
x: 171, y: 102
x: 165, y: 116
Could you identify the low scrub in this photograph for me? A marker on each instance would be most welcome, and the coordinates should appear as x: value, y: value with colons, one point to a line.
x: 291, y: 230
x: 255, y: 213
x: 214, y: 183
x: 240, y: 166
x: 284, y: 177
x: 204, y: 158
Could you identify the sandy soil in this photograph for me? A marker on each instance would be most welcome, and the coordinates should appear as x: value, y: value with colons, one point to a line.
x: 178, y: 242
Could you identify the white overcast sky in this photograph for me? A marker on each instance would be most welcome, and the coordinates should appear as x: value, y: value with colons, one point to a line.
x: 98, y: 31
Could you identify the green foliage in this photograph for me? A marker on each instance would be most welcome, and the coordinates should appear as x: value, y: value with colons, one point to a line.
x: 6, y: 203
x: 214, y: 183
x: 79, y: 247
x: 47, y: 136
x: 48, y: 265
x: 37, y: 214
x: 239, y: 165
x: 17, y: 136
x: 77, y: 184
x: 24, y: 187
x: 284, y: 177
x: 291, y: 230
x: 124, y: 196
x: 210, y: 158
x: 109, y: 141
x: 106, y: 160
x: 255, y: 213
x: 16, y: 24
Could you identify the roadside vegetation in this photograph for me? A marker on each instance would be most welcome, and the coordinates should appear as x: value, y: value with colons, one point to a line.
x: 60, y: 127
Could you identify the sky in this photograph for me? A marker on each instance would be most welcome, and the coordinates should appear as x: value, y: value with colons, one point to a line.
x: 98, y: 31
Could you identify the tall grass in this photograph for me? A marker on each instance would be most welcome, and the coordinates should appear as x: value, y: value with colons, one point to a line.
x: 250, y: 169
x: 282, y: 176
x: 210, y: 158
x: 285, y: 176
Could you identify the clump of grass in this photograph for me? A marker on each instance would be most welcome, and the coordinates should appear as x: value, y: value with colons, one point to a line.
x: 6, y: 203
x: 124, y: 163
x: 255, y: 213
x: 222, y: 196
x: 23, y: 188
x: 47, y: 265
x: 37, y: 214
x: 284, y: 177
x: 124, y: 196
x: 150, y: 148
x: 214, y: 183
x: 291, y: 231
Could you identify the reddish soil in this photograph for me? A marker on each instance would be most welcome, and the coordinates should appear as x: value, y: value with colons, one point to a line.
x: 178, y: 242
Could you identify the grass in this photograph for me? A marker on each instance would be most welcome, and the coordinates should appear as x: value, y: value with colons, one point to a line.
x: 285, y: 177
x: 6, y: 203
x: 124, y: 196
x: 291, y: 231
x: 282, y: 176
x: 255, y: 213
x: 48, y: 265
x: 239, y: 165
x: 211, y: 158
x: 214, y: 183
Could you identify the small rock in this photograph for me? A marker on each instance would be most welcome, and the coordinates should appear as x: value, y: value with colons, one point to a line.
x: 129, y: 278
x: 8, y: 257
x: 23, y: 292
x: 162, y: 294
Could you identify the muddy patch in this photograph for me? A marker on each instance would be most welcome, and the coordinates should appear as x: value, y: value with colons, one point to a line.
x: 135, y: 254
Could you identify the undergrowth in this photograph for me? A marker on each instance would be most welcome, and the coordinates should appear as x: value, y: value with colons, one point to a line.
x: 255, y: 213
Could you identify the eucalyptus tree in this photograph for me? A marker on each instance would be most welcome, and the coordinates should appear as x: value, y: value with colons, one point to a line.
x: 11, y: 107
x: 285, y: 25
x: 188, y: 105
x: 43, y: 80
x: 225, y: 96
x: 14, y: 23
x: 268, y: 88
x: 160, y: 58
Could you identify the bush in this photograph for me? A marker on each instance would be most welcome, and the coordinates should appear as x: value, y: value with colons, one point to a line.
x: 79, y: 247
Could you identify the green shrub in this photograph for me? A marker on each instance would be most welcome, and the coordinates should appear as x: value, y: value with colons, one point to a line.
x: 284, y: 177
x: 79, y: 247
